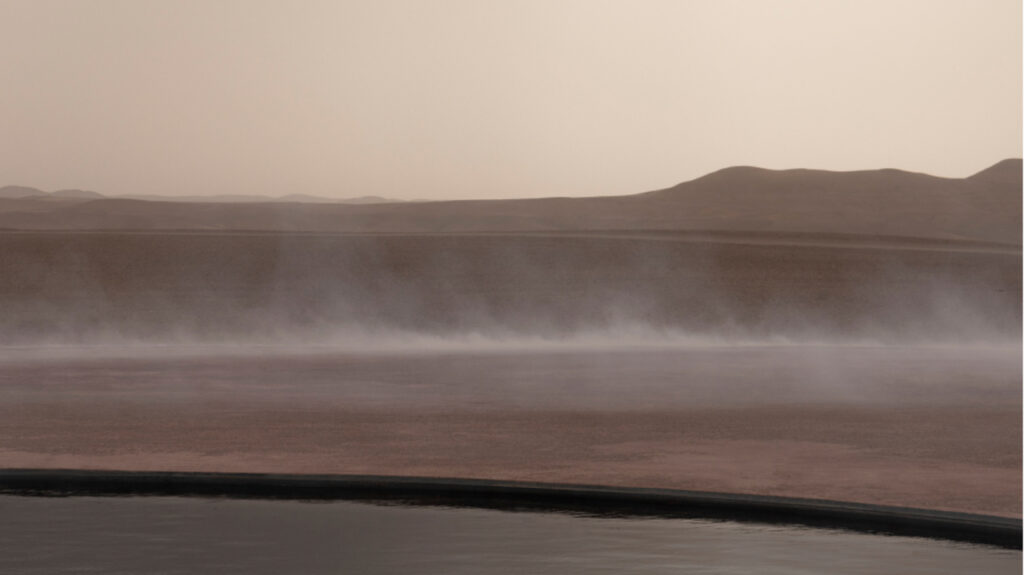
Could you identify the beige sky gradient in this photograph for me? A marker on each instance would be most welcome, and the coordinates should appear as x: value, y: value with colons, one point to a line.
x: 484, y: 99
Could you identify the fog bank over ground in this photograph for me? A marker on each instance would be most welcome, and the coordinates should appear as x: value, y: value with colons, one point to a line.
x: 67, y: 288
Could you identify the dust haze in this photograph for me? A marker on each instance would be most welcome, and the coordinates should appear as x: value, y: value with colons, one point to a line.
x: 699, y: 337
x: 195, y: 288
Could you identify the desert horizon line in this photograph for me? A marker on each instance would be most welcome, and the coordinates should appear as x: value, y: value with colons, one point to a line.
x: 27, y: 192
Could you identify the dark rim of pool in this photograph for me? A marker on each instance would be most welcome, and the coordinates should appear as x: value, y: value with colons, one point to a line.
x: 523, y: 496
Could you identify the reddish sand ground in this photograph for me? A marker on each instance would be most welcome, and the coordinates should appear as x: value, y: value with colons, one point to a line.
x: 750, y: 451
x: 953, y: 442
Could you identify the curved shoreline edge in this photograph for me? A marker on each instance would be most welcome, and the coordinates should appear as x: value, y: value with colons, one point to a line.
x: 523, y: 496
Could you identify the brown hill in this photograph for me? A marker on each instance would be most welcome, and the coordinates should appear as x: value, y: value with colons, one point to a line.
x: 13, y: 192
x: 984, y: 207
x: 77, y: 194
x: 1005, y: 172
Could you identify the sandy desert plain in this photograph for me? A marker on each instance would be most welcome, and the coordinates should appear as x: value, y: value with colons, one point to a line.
x: 852, y: 336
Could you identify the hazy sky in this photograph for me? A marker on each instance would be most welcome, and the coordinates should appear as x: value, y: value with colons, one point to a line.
x: 488, y: 98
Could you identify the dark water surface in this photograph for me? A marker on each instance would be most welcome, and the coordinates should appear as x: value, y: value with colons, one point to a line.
x: 185, y: 535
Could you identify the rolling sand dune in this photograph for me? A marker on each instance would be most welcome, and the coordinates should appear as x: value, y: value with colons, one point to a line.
x: 851, y: 336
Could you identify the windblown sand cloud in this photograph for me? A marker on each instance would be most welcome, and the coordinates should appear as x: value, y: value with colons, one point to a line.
x: 800, y: 333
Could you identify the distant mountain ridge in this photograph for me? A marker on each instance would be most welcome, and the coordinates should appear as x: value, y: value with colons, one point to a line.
x: 985, y: 207
x: 19, y: 192
x: 12, y: 192
x: 1004, y: 172
x: 242, y: 198
x: 77, y: 194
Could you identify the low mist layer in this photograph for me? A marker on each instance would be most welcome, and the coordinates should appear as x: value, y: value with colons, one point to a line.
x: 138, y: 287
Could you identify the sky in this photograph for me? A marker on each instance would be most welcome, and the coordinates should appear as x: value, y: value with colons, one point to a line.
x: 452, y: 99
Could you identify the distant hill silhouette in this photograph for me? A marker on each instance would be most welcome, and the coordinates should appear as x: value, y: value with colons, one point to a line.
x: 1005, y: 172
x: 20, y: 192
x: 882, y: 203
x: 77, y: 194
x: 252, y: 198
x: 17, y: 192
